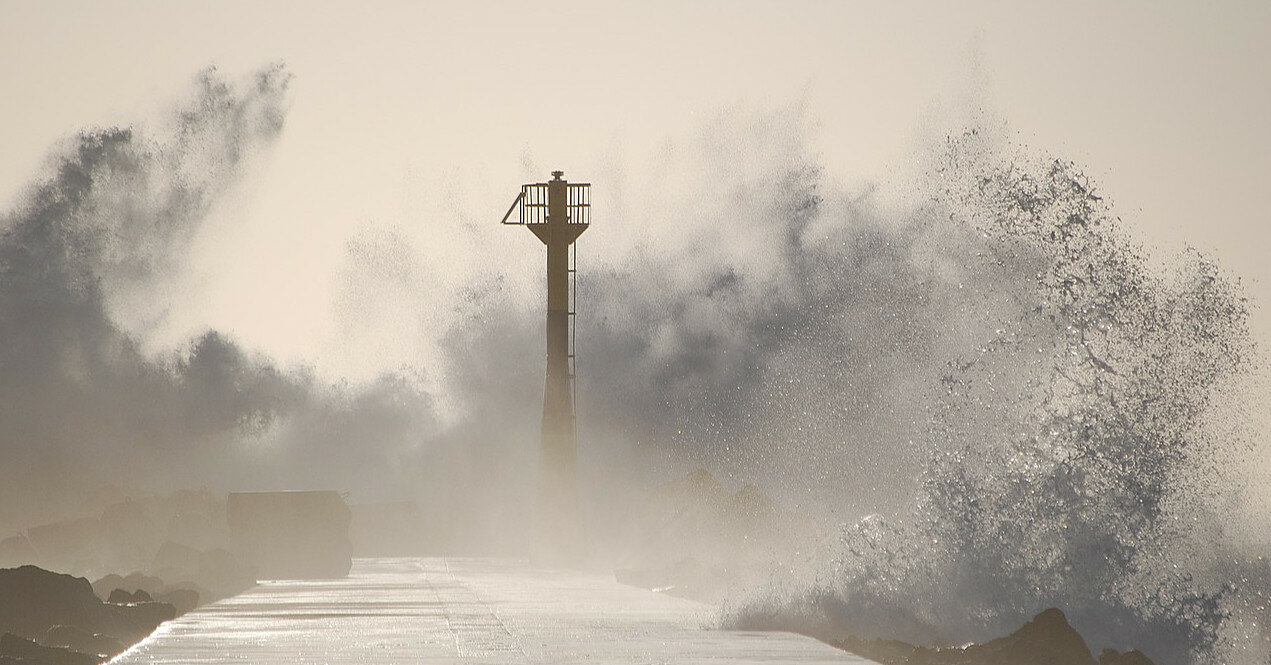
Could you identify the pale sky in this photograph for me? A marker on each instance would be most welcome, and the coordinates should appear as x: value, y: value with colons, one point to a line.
x: 399, y: 103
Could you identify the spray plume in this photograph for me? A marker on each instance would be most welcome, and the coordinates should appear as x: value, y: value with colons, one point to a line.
x: 994, y: 366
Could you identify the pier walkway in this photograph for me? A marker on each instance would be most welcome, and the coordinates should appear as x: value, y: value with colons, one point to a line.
x: 404, y: 611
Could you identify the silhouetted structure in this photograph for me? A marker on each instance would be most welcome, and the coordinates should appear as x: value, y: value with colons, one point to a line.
x: 557, y: 212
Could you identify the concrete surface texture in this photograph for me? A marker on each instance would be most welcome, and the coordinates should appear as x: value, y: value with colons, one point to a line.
x: 415, y: 610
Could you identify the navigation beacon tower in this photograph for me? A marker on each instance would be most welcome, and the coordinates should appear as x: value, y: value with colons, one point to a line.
x: 557, y: 211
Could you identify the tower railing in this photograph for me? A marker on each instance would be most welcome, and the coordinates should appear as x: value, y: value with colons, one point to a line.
x: 533, y: 204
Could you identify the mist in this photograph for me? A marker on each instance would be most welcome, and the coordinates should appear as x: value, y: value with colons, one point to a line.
x: 94, y: 242
x: 741, y: 311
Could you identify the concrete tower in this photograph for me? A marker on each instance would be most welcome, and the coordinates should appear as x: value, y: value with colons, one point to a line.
x: 557, y: 212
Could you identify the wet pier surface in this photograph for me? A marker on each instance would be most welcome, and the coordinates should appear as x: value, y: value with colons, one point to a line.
x: 463, y: 611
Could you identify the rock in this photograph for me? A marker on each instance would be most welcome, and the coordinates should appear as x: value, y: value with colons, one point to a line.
x: 139, y: 588
x: 183, y: 600
x: 136, y: 587
x: 205, y: 595
x: 1046, y: 640
x: 1132, y: 657
x: 103, y: 587
x: 144, y: 617
x: 33, y: 600
x: 124, y: 535
x: 133, y: 582
x: 121, y: 597
x: 78, y: 639
x: 21, y: 648
x: 216, y: 572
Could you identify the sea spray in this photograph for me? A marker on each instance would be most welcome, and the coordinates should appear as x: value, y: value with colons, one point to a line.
x: 1072, y: 459
x: 113, y: 214
x: 1073, y: 466
x: 90, y: 248
x: 765, y: 323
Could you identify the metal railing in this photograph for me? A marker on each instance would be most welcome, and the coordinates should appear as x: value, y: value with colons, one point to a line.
x: 532, y: 204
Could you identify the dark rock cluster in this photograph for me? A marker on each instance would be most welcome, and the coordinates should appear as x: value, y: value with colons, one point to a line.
x: 1046, y: 640
x: 202, y: 546
x: 133, y: 532
x: 694, y: 538
x: 51, y: 618
x: 54, y: 619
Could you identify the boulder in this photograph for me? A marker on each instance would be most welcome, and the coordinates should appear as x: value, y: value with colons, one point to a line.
x: 33, y: 600
x: 78, y: 639
x: 21, y: 649
x: 133, y: 582
x: 1131, y: 657
x: 183, y: 600
x: 143, y: 618
x: 1046, y: 640
x: 120, y: 597
x: 139, y: 588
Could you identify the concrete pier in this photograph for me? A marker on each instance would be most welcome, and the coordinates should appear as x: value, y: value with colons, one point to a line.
x: 463, y: 611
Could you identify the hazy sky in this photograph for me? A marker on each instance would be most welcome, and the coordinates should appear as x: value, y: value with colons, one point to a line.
x: 401, y: 110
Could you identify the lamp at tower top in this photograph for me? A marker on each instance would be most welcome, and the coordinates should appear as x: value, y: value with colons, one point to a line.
x: 555, y: 201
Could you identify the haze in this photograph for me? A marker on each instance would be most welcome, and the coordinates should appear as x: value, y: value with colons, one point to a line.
x: 421, y: 116
x: 363, y: 239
